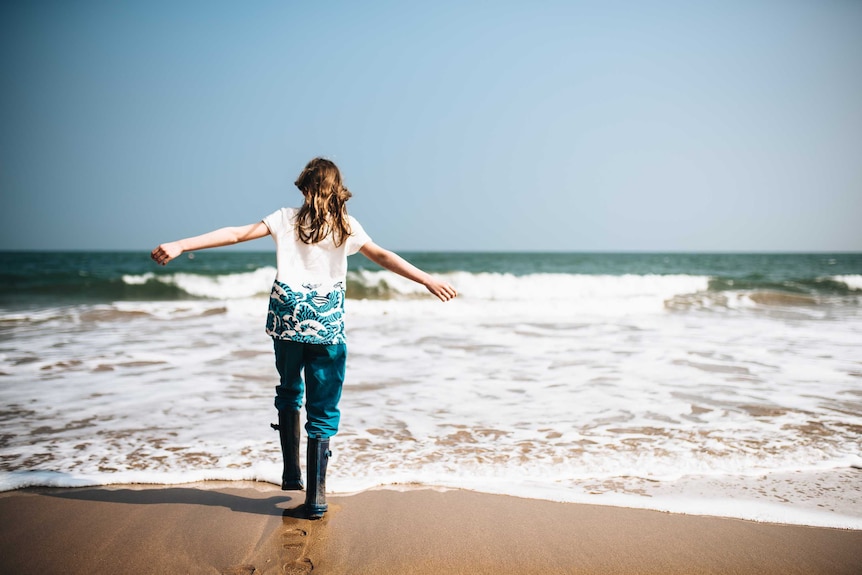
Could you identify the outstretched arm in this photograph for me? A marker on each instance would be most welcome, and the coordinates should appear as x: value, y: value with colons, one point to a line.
x: 395, y: 263
x: 221, y: 237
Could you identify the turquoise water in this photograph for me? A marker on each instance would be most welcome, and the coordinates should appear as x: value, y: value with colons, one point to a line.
x: 726, y: 384
x: 47, y: 278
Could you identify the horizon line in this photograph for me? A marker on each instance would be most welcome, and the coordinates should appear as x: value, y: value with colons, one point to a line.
x: 466, y: 251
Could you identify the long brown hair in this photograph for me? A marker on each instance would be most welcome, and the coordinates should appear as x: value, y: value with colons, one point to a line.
x: 324, y: 210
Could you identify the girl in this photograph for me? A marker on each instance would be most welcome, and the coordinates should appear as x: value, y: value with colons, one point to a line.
x: 306, y: 311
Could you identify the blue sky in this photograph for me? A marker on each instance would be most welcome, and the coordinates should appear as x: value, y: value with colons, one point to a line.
x: 582, y: 126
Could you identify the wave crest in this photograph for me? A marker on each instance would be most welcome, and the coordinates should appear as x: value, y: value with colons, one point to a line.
x: 628, y: 292
x: 364, y: 284
x: 226, y: 286
x: 853, y: 282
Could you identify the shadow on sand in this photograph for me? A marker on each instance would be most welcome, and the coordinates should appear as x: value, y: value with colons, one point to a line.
x: 273, y: 506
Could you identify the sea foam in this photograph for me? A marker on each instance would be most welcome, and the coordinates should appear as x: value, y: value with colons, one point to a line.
x: 853, y: 282
x: 570, y: 387
x: 225, y: 286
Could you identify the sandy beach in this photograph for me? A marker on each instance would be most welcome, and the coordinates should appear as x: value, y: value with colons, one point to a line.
x: 244, y: 527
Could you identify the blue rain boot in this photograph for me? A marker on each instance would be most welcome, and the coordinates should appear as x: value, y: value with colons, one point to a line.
x: 315, y: 496
x: 288, y: 432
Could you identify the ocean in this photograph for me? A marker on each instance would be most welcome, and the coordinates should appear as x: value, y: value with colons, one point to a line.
x: 719, y: 384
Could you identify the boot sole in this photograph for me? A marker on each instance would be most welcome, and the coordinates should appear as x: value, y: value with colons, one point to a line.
x: 315, y: 512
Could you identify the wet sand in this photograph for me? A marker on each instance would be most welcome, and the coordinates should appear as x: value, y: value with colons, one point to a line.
x: 242, y: 528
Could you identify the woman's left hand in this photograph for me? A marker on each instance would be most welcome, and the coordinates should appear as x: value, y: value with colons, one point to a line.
x: 441, y: 289
x: 166, y: 252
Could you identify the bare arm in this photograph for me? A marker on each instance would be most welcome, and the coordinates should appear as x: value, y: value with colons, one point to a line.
x: 395, y: 263
x: 221, y: 237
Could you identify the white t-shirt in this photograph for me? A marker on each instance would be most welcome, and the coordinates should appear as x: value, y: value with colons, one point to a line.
x: 307, y: 299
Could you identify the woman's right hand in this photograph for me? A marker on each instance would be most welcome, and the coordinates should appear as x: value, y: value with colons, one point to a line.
x: 166, y: 252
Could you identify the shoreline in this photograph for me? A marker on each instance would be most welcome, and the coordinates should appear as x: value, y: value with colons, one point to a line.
x: 827, y: 498
x: 248, y: 527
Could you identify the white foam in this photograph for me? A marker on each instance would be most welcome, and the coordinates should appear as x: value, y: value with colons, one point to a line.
x: 706, y: 504
x: 136, y: 280
x: 226, y: 286
x: 853, y: 282
x: 19, y: 480
x: 551, y: 293
x: 556, y: 286
x: 559, y: 398
x: 713, y: 505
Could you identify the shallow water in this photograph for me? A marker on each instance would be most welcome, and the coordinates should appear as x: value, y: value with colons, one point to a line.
x: 644, y: 390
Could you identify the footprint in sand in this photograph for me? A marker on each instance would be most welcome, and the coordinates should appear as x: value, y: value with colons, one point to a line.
x: 293, y: 543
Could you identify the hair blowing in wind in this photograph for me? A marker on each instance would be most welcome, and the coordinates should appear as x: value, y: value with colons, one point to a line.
x: 325, y: 209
